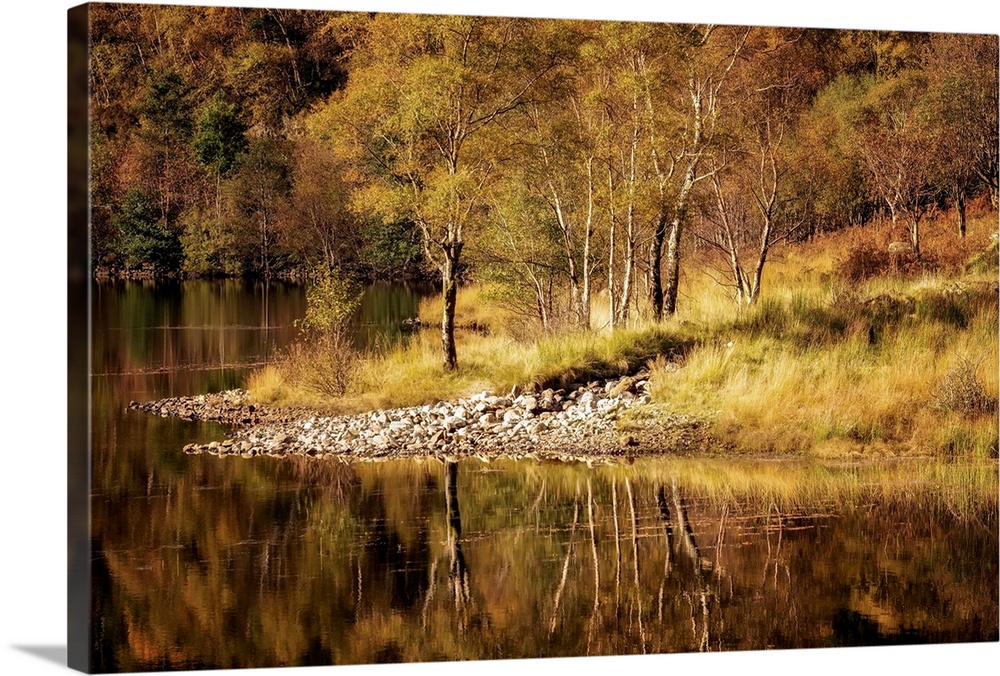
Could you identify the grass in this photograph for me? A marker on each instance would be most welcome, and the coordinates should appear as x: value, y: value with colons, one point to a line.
x: 822, y: 378
x: 823, y: 368
x: 818, y: 367
x: 413, y: 374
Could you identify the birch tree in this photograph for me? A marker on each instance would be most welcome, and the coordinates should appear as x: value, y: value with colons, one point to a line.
x: 685, y: 94
x: 897, y: 142
x: 618, y: 55
x: 962, y: 77
x: 422, y: 93
x: 562, y: 142
x: 756, y: 201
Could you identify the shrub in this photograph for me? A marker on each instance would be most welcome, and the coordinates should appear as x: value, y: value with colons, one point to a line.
x: 864, y: 261
x: 324, y: 365
x: 961, y: 391
x: 331, y: 302
x: 324, y: 358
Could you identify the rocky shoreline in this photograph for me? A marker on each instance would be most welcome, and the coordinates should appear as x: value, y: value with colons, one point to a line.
x: 598, y: 421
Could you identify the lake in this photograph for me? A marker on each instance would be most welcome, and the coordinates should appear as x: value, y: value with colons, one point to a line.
x: 207, y: 562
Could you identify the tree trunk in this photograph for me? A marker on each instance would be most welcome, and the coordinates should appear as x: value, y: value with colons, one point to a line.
x: 655, y: 258
x: 626, y: 297
x: 669, y: 306
x: 574, y: 277
x: 915, y: 236
x: 449, y: 291
x: 758, y: 271
x: 587, y: 237
x: 960, y: 205
x: 612, y: 308
x: 264, y: 258
x: 539, y: 301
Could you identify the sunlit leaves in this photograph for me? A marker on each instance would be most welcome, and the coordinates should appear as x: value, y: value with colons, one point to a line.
x: 331, y: 301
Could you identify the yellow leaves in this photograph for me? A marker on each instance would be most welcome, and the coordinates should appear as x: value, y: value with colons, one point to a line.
x: 381, y: 199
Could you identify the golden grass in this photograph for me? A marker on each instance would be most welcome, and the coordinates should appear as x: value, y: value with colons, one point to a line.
x: 809, y: 373
x: 818, y: 367
x: 473, y: 309
x: 414, y: 374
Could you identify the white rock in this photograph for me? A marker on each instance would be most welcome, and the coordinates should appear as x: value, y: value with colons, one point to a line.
x: 451, y: 422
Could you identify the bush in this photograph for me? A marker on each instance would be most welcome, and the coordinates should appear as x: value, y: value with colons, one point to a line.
x: 864, y: 261
x: 325, y: 365
x: 331, y: 302
x: 961, y: 391
x: 324, y: 358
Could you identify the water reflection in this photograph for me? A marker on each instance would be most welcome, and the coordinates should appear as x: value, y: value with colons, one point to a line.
x: 290, y: 562
x: 202, y: 561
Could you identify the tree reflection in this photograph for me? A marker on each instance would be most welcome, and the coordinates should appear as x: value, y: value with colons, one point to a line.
x: 380, y: 562
x: 690, y: 547
x: 458, y: 570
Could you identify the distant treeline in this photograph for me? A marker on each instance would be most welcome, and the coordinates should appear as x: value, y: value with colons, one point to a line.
x: 562, y: 156
x: 201, y: 165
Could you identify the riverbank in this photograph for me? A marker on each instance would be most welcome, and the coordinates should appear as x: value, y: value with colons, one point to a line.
x: 844, y: 358
x: 891, y: 367
x: 608, y: 420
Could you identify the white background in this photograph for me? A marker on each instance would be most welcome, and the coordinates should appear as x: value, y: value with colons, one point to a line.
x: 33, y: 342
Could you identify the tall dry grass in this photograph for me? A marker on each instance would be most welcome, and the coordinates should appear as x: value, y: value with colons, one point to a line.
x: 827, y: 367
x: 818, y: 367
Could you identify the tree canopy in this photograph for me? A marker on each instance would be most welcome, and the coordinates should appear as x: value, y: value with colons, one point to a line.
x: 557, y: 159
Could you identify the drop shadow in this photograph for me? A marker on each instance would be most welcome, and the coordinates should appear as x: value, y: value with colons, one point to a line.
x: 50, y: 653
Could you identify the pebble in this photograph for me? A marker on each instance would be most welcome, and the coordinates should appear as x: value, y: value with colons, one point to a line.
x: 580, y: 422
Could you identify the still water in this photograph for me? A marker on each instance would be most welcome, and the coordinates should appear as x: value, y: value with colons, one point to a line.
x: 202, y: 562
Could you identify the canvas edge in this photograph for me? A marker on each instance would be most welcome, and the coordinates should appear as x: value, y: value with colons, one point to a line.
x: 78, y: 341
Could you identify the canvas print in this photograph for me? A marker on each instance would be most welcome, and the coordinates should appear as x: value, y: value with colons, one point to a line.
x: 406, y: 338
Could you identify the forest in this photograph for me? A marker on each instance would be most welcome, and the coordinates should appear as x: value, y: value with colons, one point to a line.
x: 553, y: 157
x: 826, y: 198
